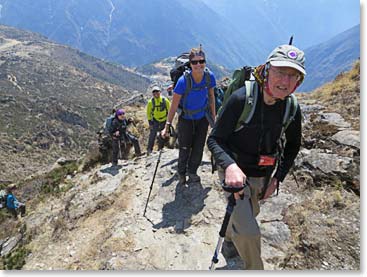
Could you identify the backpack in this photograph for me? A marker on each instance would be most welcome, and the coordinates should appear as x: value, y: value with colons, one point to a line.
x: 219, y: 96
x: 163, y: 105
x: 3, y: 196
x: 182, y: 63
x: 107, y: 126
x: 243, y: 80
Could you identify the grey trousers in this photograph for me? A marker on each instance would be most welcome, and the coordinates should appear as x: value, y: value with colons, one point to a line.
x: 157, y: 127
x: 243, y: 229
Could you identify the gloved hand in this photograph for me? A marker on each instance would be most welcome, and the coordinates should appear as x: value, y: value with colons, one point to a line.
x: 117, y: 134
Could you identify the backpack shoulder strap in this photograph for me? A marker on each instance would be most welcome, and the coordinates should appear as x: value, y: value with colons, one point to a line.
x: 164, y: 103
x: 290, y: 110
x: 153, y: 107
x: 207, y: 77
x: 188, y: 88
x: 252, y: 92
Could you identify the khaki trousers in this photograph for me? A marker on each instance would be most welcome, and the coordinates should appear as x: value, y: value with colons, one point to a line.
x: 243, y: 229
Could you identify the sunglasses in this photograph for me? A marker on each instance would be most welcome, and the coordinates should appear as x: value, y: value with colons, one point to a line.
x: 155, y: 91
x: 280, y: 74
x: 199, y: 61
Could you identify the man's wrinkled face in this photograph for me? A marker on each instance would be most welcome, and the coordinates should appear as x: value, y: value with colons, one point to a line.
x: 282, y: 81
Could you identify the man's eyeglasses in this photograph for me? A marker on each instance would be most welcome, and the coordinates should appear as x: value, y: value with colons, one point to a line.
x: 280, y: 74
x: 199, y: 61
x: 156, y: 91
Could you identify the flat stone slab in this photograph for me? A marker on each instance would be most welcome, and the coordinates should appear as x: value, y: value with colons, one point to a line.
x: 348, y: 137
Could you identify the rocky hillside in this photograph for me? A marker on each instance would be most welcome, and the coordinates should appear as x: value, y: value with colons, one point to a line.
x: 92, y: 218
x: 53, y: 99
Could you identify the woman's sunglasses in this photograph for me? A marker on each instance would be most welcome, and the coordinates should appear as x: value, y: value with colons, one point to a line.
x: 196, y: 62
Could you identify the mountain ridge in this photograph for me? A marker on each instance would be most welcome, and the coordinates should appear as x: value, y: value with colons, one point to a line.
x: 113, y: 30
x: 53, y: 100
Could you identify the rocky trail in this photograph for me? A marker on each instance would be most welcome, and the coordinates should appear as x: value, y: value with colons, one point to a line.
x: 96, y: 221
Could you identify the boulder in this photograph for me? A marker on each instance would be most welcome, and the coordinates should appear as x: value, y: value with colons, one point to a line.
x: 334, y: 119
x: 10, y: 244
x: 348, y: 137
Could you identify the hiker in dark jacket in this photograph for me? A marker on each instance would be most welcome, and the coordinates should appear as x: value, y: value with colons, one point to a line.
x: 12, y: 203
x: 193, y: 119
x: 254, y: 152
x: 121, y: 136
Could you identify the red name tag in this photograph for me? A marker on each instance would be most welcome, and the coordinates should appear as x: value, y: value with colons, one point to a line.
x: 266, y: 160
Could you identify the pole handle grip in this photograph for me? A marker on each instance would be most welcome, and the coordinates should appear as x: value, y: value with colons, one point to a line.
x: 231, y: 189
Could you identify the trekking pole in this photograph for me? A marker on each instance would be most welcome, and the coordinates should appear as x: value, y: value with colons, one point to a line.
x: 227, y: 216
x: 151, y: 185
x: 119, y: 143
x: 170, y: 130
x: 295, y: 178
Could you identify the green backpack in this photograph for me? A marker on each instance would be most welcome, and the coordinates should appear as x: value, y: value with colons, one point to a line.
x: 243, y: 80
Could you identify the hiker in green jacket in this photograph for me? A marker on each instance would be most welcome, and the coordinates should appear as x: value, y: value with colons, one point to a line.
x: 254, y: 150
x: 157, y: 110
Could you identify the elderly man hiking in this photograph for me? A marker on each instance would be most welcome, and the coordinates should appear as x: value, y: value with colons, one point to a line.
x: 247, y: 142
x: 157, y: 110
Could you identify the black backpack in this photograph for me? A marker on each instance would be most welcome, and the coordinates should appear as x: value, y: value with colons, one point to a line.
x: 182, y: 63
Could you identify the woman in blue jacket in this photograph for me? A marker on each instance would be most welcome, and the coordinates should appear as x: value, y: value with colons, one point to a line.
x: 193, y: 97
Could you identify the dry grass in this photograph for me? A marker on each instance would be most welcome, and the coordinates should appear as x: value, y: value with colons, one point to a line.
x: 342, y: 95
x: 322, y: 228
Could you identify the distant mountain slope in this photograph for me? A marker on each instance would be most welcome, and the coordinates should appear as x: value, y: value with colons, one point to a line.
x: 325, y: 61
x: 133, y: 32
x: 273, y: 22
x: 52, y: 100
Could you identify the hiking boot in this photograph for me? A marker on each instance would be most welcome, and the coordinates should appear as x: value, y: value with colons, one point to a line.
x: 115, y: 167
x: 139, y: 155
x: 194, y: 178
x: 229, y: 251
x: 181, y: 179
